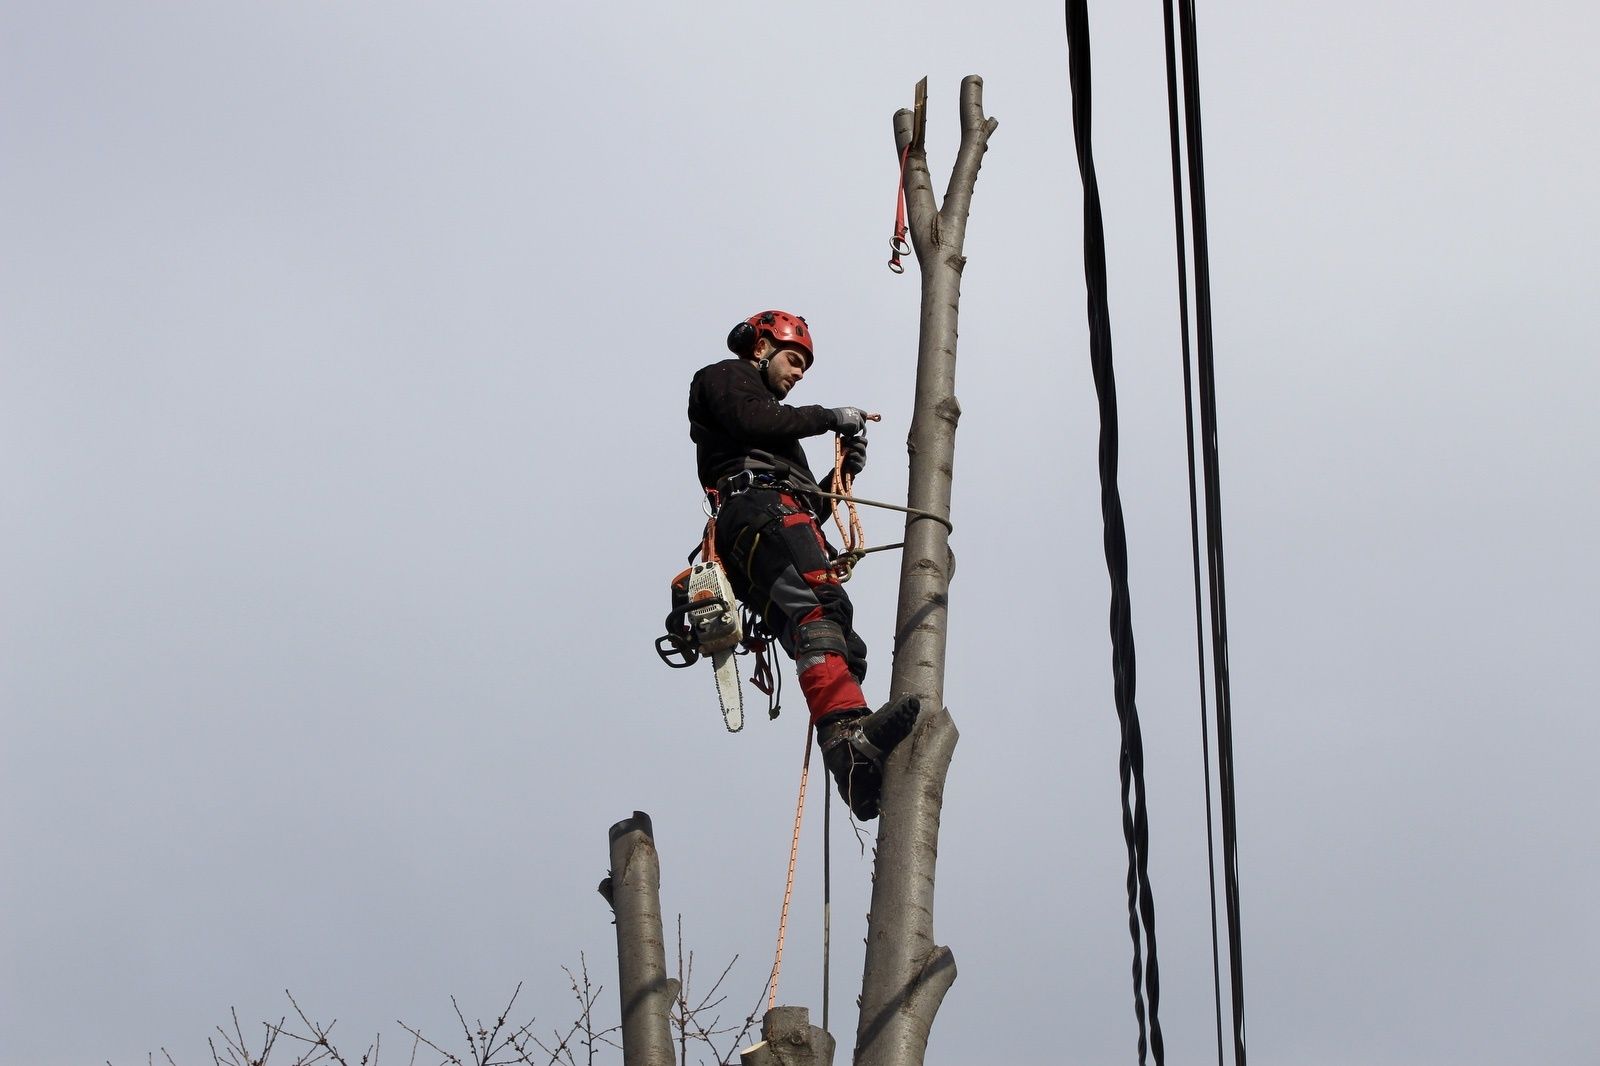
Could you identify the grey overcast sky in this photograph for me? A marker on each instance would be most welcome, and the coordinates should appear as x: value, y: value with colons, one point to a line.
x: 342, y: 446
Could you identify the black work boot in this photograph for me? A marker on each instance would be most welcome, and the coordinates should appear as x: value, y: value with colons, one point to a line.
x: 854, y: 745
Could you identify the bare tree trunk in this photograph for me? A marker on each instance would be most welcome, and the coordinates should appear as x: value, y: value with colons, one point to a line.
x: 906, y: 974
x: 634, y: 891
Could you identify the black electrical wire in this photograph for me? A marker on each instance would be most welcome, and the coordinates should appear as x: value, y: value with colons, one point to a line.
x: 1211, y: 468
x: 1135, y: 817
x: 1194, y: 513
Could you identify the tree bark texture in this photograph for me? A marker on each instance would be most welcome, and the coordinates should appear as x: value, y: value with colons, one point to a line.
x: 789, y: 1039
x: 906, y: 975
x: 634, y: 891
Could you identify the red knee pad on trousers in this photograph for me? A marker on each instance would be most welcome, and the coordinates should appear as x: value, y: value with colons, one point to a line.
x: 829, y: 687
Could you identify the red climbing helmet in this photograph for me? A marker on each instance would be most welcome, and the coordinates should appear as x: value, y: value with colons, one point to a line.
x: 780, y: 327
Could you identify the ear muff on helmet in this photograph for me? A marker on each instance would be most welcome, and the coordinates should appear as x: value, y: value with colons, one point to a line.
x: 742, y: 339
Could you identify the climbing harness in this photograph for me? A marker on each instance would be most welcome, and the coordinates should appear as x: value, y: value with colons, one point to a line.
x: 707, y: 620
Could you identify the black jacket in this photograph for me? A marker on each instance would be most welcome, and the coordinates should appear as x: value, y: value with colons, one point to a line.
x: 733, y: 416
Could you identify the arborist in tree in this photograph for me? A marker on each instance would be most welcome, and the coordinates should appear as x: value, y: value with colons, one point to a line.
x: 766, y: 507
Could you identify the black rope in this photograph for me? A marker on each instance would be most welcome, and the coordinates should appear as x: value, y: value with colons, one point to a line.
x: 1135, y: 819
x: 1194, y: 514
x: 1212, y: 470
x: 827, y: 895
x: 759, y: 640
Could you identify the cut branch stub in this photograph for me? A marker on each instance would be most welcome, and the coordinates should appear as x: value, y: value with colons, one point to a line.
x: 789, y: 1039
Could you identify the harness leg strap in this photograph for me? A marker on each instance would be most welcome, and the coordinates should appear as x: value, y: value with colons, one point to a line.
x: 818, y: 637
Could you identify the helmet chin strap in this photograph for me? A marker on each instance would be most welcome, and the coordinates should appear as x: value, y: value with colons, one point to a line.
x: 764, y: 365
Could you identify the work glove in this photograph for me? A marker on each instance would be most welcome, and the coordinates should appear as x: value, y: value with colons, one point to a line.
x: 855, y: 454
x: 849, y: 420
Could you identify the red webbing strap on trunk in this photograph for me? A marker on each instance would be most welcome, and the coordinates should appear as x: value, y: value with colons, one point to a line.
x: 897, y: 243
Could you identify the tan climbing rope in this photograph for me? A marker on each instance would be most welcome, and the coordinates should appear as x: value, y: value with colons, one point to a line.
x: 843, y: 486
x: 788, y: 888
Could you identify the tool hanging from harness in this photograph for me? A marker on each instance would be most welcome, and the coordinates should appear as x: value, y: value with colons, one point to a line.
x: 707, y: 620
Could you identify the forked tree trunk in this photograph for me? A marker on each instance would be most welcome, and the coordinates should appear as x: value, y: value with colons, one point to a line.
x: 906, y: 974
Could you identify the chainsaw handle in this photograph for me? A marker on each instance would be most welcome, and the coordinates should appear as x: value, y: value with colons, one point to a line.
x: 675, y: 651
x: 678, y: 651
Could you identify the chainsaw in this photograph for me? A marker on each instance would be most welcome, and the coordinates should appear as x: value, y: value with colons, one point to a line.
x: 704, y: 621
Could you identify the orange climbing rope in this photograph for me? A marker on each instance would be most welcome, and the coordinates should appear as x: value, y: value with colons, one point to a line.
x: 788, y: 888
x: 843, y: 485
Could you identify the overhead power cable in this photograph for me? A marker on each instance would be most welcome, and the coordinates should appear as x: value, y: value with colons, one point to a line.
x: 1211, y: 470
x: 1135, y: 818
x: 1180, y: 227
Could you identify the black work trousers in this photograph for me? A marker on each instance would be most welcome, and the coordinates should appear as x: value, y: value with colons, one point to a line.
x: 779, y: 566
